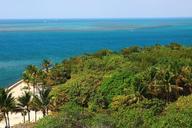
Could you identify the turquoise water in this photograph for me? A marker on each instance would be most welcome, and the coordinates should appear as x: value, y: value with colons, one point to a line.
x: 24, y: 42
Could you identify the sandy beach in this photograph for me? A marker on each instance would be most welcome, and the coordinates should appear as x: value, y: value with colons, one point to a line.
x: 17, y: 90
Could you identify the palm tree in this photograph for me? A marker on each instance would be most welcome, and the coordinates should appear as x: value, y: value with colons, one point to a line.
x: 46, y: 64
x: 140, y: 90
x: 43, y: 78
x: 7, y: 104
x: 42, y: 100
x: 167, y: 78
x: 59, y: 74
x: 34, y: 107
x: 30, y: 75
x: 24, y: 113
x: 24, y: 102
x: 26, y: 78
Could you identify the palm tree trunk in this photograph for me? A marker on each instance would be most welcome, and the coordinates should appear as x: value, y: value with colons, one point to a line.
x: 23, y: 118
x: 8, y: 120
x: 47, y: 70
x: 28, y: 115
x: 33, y: 89
x: 5, y: 119
x: 47, y: 110
x: 44, y: 113
x: 35, y: 116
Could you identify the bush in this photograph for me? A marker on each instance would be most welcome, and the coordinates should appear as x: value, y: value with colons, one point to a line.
x: 102, y: 53
x: 71, y: 116
x: 175, y: 119
x: 74, y: 116
x: 127, y: 51
x: 133, y: 117
x: 118, y: 84
x: 117, y: 90
x: 155, y: 105
x: 175, y: 46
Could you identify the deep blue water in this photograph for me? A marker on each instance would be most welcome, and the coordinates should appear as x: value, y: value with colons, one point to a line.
x: 24, y: 42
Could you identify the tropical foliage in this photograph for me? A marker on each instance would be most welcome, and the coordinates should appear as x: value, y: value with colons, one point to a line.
x: 42, y: 100
x: 7, y: 105
x: 24, y: 105
x: 137, y: 87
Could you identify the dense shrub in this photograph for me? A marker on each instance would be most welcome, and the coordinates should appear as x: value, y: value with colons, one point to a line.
x: 132, y: 117
x: 117, y: 84
x: 155, y: 105
x: 102, y: 53
x: 175, y: 119
x: 134, y: 88
x: 127, y: 51
x: 74, y: 116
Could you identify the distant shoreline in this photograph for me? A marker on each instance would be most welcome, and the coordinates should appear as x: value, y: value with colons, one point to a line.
x: 101, y: 18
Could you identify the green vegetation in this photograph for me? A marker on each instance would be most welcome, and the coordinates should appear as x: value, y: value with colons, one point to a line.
x: 138, y: 87
x: 39, y: 99
x: 7, y: 104
x: 42, y: 100
x: 23, y: 105
x: 147, y: 87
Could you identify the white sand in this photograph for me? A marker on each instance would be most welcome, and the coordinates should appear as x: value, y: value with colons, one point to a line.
x: 16, y: 118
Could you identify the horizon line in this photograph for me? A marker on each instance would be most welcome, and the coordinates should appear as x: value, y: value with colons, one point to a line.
x: 91, y: 18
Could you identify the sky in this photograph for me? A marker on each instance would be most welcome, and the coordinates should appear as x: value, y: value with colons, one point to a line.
x: 45, y: 9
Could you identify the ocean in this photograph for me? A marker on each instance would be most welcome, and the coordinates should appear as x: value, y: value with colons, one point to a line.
x: 24, y: 42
